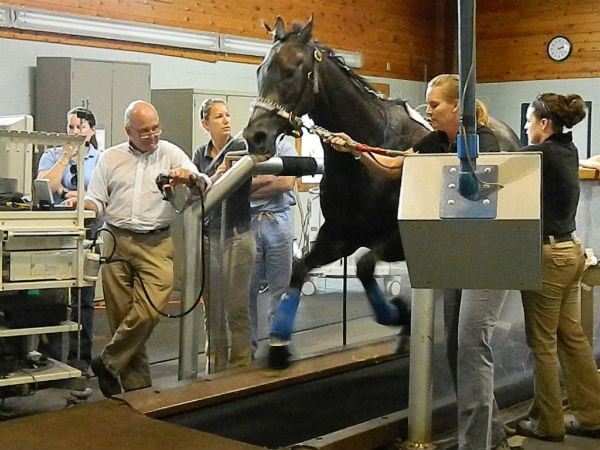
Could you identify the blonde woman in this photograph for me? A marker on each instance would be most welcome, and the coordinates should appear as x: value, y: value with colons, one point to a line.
x: 469, y: 315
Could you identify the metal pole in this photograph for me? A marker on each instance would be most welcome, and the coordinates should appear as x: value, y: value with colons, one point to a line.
x: 467, y: 141
x: 466, y: 60
x: 190, y: 323
x: 420, y: 377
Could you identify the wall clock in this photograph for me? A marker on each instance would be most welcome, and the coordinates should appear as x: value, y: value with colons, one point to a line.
x: 559, y: 48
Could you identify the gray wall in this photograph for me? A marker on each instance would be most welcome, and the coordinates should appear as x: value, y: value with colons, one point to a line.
x: 18, y: 88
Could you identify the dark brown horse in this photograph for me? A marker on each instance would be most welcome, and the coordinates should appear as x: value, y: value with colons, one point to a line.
x: 300, y: 76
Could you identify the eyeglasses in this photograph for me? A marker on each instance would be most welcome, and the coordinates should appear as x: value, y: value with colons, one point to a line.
x: 73, y: 170
x: 151, y: 134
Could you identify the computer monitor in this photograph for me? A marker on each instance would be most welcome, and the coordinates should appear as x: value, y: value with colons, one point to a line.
x: 17, y: 159
x: 42, y: 194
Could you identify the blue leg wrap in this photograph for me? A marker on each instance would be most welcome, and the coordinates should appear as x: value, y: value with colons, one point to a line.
x: 385, y: 314
x: 282, y: 323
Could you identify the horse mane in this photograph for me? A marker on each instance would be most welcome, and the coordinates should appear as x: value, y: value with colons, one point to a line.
x: 358, y: 80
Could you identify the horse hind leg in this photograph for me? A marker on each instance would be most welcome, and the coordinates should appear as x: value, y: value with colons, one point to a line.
x: 394, y: 313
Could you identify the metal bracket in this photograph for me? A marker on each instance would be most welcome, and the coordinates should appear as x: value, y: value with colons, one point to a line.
x: 454, y: 206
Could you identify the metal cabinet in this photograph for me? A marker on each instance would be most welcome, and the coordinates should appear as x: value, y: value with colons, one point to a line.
x: 109, y: 86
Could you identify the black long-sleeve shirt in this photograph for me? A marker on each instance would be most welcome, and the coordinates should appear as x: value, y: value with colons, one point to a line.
x: 238, y: 203
x: 560, y: 183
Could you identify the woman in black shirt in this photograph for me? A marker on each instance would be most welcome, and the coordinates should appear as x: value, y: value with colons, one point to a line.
x: 552, y: 323
x: 233, y: 250
x: 471, y: 314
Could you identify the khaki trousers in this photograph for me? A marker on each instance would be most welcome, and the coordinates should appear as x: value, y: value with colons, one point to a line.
x: 228, y: 344
x: 554, y: 335
x: 130, y: 315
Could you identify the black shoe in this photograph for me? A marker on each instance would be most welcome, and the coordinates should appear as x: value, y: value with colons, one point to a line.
x: 526, y: 428
x: 508, y: 430
x: 108, y: 383
x: 573, y: 427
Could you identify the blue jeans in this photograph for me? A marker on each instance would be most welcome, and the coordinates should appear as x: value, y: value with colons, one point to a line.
x: 274, y: 239
x: 477, y: 311
x: 87, y: 324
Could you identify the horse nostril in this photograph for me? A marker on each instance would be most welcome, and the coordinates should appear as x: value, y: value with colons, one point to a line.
x: 256, y: 141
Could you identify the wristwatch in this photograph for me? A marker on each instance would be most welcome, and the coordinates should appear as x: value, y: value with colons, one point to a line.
x: 64, y: 193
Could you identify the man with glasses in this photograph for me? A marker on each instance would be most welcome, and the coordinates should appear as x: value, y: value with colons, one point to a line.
x: 137, y: 272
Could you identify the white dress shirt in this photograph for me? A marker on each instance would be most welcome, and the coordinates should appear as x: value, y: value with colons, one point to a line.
x: 123, y: 185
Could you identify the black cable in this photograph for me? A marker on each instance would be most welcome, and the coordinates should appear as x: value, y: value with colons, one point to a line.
x: 110, y: 260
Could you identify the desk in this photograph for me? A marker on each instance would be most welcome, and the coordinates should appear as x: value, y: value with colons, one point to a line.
x: 590, y: 279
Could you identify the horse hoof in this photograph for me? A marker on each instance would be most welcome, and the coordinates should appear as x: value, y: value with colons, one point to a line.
x: 279, y: 357
x: 403, y: 347
x: 403, y: 311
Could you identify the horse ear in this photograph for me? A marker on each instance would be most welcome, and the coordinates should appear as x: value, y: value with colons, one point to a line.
x: 279, y: 29
x: 306, y: 32
x: 266, y: 26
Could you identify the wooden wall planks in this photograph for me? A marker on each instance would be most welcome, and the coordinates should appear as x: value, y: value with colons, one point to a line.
x: 405, y: 39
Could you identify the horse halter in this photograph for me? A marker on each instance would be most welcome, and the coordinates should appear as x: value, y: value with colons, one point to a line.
x: 294, y: 120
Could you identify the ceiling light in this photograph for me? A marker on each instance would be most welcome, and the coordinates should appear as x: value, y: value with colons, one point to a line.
x: 30, y: 19
x: 244, y: 46
x: 5, y: 16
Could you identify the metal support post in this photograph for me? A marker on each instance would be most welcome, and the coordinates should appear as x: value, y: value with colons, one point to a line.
x: 190, y: 323
x: 420, y: 376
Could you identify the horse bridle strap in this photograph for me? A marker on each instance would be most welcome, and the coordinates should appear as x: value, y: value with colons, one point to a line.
x: 264, y: 103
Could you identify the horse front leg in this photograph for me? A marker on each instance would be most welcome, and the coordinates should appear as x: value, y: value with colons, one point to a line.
x: 282, y: 323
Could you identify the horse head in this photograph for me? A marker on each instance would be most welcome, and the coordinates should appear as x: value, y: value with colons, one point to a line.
x: 287, y: 85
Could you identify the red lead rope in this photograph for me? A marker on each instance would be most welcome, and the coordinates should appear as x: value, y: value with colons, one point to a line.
x: 379, y: 151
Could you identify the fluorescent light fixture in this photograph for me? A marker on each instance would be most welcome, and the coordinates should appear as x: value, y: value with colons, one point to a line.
x: 5, y: 16
x: 38, y: 20
x: 244, y: 46
x: 352, y: 59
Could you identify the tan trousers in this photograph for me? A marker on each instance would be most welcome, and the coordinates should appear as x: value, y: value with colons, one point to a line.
x: 131, y: 317
x: 230, y: 284
x: 554, y: 334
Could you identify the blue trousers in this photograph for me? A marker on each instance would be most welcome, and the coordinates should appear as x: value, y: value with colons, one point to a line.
x: 274, y: 239
x: 470, y: 319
